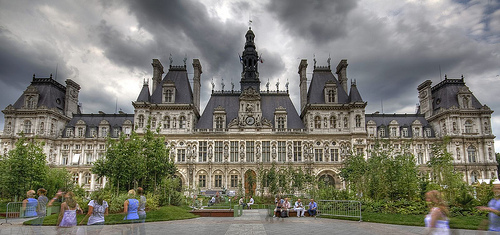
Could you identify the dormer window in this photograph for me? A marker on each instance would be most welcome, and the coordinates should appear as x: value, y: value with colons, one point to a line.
x: 168, y: 96
x: 280, y: 118
x: 169, y: 92
x: 69, y: 132
x: 281, y: 123
x: 405, y: 132
x: 219, y: 118
x: 219, y: 123
x: 330, y: 92
x: 104, y: 131
x: 81, y: 131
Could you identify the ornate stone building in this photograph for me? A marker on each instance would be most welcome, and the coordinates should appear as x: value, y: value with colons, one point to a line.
x: 244, y: 131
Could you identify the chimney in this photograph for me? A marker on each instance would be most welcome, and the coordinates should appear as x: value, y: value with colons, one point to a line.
x: 71, y: 98
x: 303, y: 84
x: 157, y: 72
x: 196, y: 83
x: 342, y: 73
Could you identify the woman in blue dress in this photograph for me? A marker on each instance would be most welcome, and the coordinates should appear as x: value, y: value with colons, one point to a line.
x: 30, y: 204
x: 130, y: 206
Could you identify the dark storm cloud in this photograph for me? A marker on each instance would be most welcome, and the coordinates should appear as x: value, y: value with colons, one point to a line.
x: 320, y: 21
x: 20, y: 60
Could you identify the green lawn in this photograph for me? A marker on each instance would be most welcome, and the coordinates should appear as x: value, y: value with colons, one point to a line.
x: 163, y: 214
x: 459, y: 222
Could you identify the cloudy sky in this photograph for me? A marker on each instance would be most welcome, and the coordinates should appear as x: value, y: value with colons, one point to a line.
x: 392, y: 46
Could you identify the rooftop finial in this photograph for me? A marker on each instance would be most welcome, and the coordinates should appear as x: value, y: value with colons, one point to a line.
x: 170, y: 59
x: 328, y: 60
x: 314, y: 59
x: 267, y: 85
x: 185, y: 59
x: 222, y: 84
x: 213, y: 85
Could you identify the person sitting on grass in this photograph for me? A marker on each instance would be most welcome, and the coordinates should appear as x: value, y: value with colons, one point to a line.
x: 312, y: 208
x: 130, y: 206
x: 98, y: 208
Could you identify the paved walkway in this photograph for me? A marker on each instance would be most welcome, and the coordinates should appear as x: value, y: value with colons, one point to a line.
x: 252, y: 222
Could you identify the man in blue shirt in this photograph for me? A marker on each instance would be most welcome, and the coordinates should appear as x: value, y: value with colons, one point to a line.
x: 494, y: 209
x: 312, y: 208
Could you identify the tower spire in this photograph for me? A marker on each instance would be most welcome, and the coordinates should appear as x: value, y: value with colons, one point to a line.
x: 250, y: 59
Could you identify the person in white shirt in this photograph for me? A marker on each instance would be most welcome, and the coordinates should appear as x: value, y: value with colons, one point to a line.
x: 250, y: 203
x: 286, y: 206
x: 299, y: 208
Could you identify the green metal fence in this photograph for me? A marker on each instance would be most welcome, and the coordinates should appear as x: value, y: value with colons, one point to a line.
x: 343, y: 208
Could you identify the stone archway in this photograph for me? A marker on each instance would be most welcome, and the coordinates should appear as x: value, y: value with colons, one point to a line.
x: 250, y: 182
x: 326, y: 180
x: 329, y: 178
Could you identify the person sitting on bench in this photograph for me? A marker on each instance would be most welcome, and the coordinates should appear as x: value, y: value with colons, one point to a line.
x: 250, y: 203
x: 312, y: 208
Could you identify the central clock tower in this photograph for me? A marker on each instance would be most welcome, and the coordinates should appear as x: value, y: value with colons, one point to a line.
x: 250, y: 112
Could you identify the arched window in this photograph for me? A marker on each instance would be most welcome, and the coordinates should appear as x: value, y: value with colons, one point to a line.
x: 281, y: 123
x: 317, y: 122
x: 468, y: 126
x: 219, y: 123
x: 27, y: 126
x: 358, y: 121
x: 473, y: 177
x: 42, y: 127
x: 182, y: 122
x: 75, y: 178
x: 153, y: 123
x: 333, y: 122
x: 331, y: 96
x: 471, y: 153
x: 141, y: 121
x: 166, y: 122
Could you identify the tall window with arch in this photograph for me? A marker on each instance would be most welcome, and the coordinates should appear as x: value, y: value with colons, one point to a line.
x: 266, y: 151
x: 182, y: 122
x: 233, y: 153
x: 471, y: 154
x: 218, y: 151
x: 141, y: 121
x: 317, y: 122
x: 358, y: 120
x: 468, y: 126
x: 333, y: 122
x: 281, y: 151
x: 27, y: 126
x: 166, y: 122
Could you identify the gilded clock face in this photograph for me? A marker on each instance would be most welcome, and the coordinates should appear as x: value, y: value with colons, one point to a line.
x: 250, y: 120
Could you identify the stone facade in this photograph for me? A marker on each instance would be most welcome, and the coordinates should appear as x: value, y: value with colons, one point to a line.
x: 243, y: 132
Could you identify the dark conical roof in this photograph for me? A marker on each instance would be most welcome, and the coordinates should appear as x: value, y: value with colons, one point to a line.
x: 354, y: 95
x: 144, y: 96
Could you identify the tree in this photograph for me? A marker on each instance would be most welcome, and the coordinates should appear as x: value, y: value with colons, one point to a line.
x: 136, y: 160
x: 24, y: 167
x: 354, y: 172
x: 443, y: 171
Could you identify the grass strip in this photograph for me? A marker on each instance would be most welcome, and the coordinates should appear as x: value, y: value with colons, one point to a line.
x: 165, y: 213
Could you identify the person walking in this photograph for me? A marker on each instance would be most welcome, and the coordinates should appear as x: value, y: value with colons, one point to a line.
x: 41, y: 209
x: 494, y: 209
x: 30, y: 204
x: 130, y: 206
x: 142, y: 205
x: 437, y: 220
x: 69, y: 209
x: 98, y: 209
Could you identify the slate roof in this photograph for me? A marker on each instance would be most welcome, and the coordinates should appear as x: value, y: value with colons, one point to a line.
x: 183, y: 93
x: 354, y: 95
x: 316, y: 93
x: 445, y: 93
x: 50, y: 91
x: 93, y: 120
x: 404, y: 120
x: 269, y: 102
x: 144, y: 96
